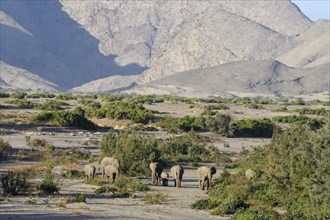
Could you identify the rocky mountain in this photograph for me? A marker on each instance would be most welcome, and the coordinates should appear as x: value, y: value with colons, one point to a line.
x: 111, y: 46
x: 230, y: 79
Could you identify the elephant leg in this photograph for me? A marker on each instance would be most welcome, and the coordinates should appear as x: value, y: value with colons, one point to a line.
x: 174, y: 182
x: 153, y: 178
x: 177, y: 182
x: 203, y: 182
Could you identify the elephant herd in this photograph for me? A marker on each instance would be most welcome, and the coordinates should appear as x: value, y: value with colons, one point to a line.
x: 204, y: 175
x: 110, y: 169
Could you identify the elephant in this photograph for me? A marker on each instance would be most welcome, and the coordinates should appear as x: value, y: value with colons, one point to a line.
x: 177, y: 173
x: 164, y: 176
x: 108, y: 161
x: 205, y: 174
x: 156, y: 169
x: 112, y: 172
x: 89, y: 171
x: 97, y: 166
x: 249, y: 174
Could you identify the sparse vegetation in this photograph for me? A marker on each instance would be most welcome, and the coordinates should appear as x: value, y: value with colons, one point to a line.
x: 14, y: 183
x: 49, y: 185
x: 4, y: 146
x: 154, y: 198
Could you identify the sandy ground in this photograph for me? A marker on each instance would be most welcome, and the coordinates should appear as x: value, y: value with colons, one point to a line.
x: 105, y: 207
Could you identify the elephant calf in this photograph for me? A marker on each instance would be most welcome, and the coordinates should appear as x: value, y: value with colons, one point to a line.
x: 90, y: 171
x: 164, y: 176
x: 177, y: 173
x: 204, y: 174
x: 111, y: 172
x: 156, y: 170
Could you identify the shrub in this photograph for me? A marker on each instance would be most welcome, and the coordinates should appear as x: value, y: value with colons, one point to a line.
x: 200, y: 204
x: 66, y: 96
x: 4, y: 146
x: 73, y: 174
x: 290, y: 173
x: 40, y: 95
x: 75, y: 118
x: 80, y: 198
x: 22, y: 103
x: 134, y: 152
x: 252, y: 106
x: 136, y: 186
x: 254, y: 128
x: 48, y: 185
x: 18, y: 95
x: 106, y: 189
x: 216, y: 107
x: 220, y: 124
x: 14, y: 183
x: 299, y: 120
x: 4, y: 95
x: 154, y: 198
x: 122, y: 110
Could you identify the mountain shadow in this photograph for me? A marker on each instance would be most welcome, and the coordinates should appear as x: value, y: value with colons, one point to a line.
x: 58, y: 48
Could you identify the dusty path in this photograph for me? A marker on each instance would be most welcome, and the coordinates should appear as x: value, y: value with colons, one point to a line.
x: 105, y: 207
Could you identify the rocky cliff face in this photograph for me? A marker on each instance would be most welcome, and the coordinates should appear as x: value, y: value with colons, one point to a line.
x: 108, y: 46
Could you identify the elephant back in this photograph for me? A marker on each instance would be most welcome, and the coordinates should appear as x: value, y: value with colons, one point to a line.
x: 109, y: 161
x: 89, y: 169
x: 177, y: 169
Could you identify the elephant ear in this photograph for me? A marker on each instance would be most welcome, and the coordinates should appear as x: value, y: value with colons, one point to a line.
x: 213, y: 170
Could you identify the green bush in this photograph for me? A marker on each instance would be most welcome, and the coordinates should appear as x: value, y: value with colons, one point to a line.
x: 216, y: 107
x: 75, y: 118
x: 291, y: 172
x: 299, y: 120
x: 50, y: 105
x: 106, y: 189
x: 80, y: 198
x: 200, y: 204
x: 4, y: 146
x: 73, y: 174
x: 40, y: 95
x: 66, y: 96
x: 254, y: 128
x: 22, y: 103
x: 14, y: 183
x: 218, y: 123
x: 154, y: 198
x: 18, y: 95
x: 4, y: 95
x: 188, y: 148
x: 48, y: 185
x: 308, y: 111
x: 136, y: 186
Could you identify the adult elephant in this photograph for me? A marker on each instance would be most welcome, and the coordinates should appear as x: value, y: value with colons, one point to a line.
x: 156, y: 170
x: 111, y: 172
x: 177, y: 173
x: 108, y: 161
x: 204, y: 174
